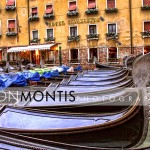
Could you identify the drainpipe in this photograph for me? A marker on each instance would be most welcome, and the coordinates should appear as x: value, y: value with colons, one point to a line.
x: 131, y: 31
x: 28, y: 7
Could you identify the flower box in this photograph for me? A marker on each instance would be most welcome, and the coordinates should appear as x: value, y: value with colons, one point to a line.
x: 35, y: 41
x: 72, y: 13
x: 48, y: 16
x: 73, y: 38
x: 111, y: 35
x: 11, y: 33
x: 93, y: 36
x: 145, y: 7
x: 10, y: 7
x: 91, y: 11
x: 49, y: 39
x: 146, y: 34
x: 34, y: 18
x: 111, y: 10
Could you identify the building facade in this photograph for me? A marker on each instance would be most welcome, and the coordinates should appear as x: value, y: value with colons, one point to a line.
x: 106, y: 30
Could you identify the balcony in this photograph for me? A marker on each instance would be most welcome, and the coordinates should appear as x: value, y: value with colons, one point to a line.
x: 73, y: 38
x: 13, y: 7
x: 48, y: 16
x: 145, y: 34
x: 74, y: 61
x: 145, y: 7
x: 72, y: 13
x: 34, y: 18
x: 112, y: 35
x: 93, y: 37
x: 12, y: 33
x: 36, y: 40
x: 91, y: 11
x: 111, y: 10
x: 49, y: 39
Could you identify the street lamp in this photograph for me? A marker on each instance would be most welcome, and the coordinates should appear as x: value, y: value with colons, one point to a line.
x: 59, y: 54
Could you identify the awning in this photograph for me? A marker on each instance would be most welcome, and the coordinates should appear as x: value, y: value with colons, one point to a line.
x: 49, y: 9
x: 11, y: 24
x: 10, y: 2
x: 16, y: 49
x: 92, y: 4
x: 72, y: 6
x: 40, y: 47
x: 30, y: 48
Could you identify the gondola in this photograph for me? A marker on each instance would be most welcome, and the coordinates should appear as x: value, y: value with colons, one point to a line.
x: 16, y: 141
x: 102, y: 78
x: 104, y: 66
x: 92, y: 131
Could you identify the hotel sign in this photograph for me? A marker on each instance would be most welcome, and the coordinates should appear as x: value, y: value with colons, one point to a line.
x: 74, y: 21
x: 83, y: 21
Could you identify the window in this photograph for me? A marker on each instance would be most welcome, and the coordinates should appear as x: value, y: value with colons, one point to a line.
x: 146, y: 49
x: 11, y: 25
x: 112, y: 28
x: 74, y: 54
x: 146, y: 2
x: 49, y: 9
x: 72, y: 6
x: 93, y: 53
x: 92, y: 29
x: 147, y: 26
x: 112, y: 52
x: 73, y: 31
x: 34, y: 11
x: 49, y: 33
x: 35, y: 34
x: 110, y: 3
x: 91, y: 4
x: 10, y: 3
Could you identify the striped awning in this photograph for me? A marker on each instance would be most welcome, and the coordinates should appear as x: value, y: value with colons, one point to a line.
x: 30, y: 48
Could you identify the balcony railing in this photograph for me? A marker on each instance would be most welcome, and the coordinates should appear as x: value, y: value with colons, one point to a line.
x: 49, y: 39
x: 91, y: 11
x: 35, y: 41
x: 111, y: 10
x: 145, y: 7
x: 12, y: 33
x: 13, y: 7
x: 73, y: 38
x: 48, y: 16
x: 146, y: 34
x: 112, y: 35
x: 34, y: 18
x: 72, y: 13
x: 74, y: 61
x: 93, y: 37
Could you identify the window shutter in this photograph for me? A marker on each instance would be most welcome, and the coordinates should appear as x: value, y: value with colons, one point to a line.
x: 49, y: 9
x: 72, y: 6
x: 146, y: 2
x: 11, y: 24
x: 91, y: 4
x: 146, y: 26
x: 110, y: 3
